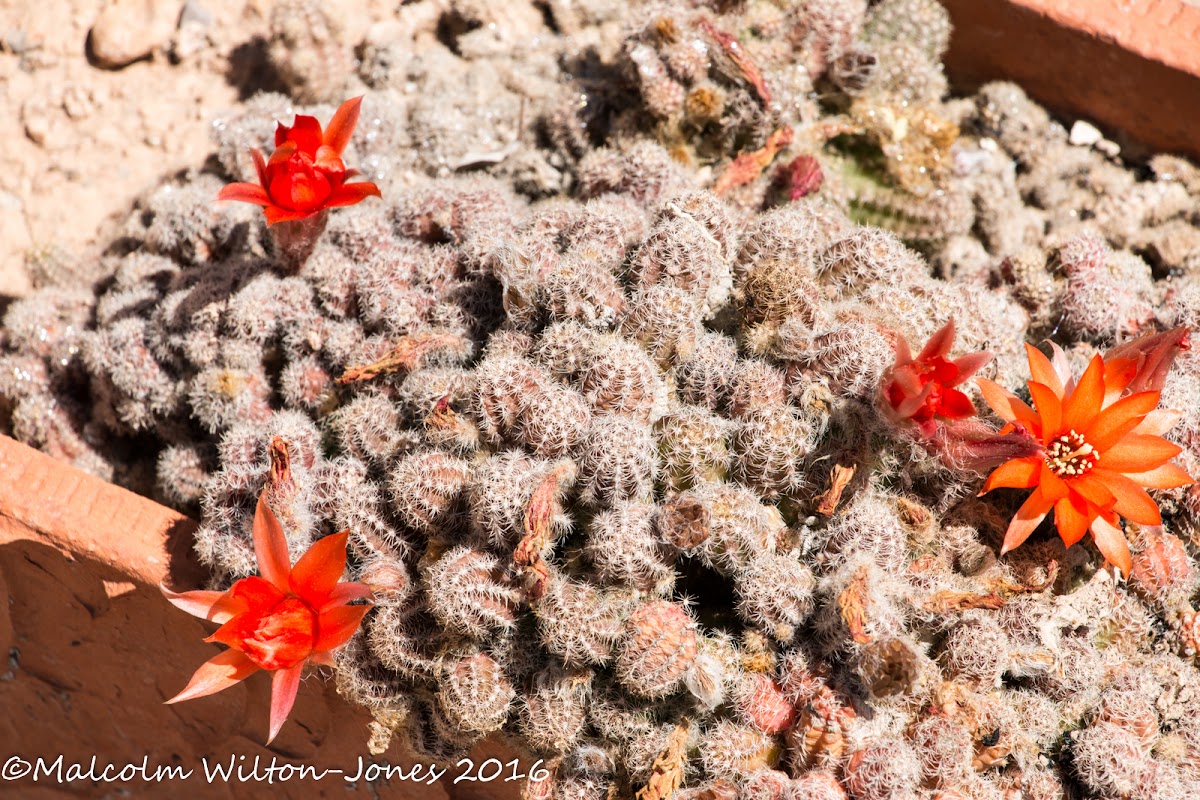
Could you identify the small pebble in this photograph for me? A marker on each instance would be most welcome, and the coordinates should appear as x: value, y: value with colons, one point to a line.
x: 1084, y: 134
x: 129, y: 30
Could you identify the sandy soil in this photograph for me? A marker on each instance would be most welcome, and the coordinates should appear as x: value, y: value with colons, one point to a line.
x: 79, y: 140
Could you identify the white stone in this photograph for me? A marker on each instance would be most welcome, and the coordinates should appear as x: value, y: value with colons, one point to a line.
x: 1084, y: 134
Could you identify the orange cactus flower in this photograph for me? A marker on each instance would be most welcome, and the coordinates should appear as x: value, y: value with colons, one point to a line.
x: 280, y: 621
x: 305, y: 174
x: 1101, y: 449
x: 921, y: 390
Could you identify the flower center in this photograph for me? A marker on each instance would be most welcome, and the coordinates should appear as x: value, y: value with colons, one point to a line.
x: 1070, y: 455
x: 283, y: 637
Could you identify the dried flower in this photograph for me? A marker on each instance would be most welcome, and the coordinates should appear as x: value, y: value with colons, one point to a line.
x: 734, y: 51
x: 747, y: 166
x: 305, y: 174
x: 800, y: 177
x: 921, y: 390
x: 1101, y: 449
x: 277, y: 622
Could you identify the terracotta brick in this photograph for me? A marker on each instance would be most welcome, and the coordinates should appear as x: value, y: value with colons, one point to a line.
x: 83, y: 673
x: 1131, y: 67
x: 81, y: 514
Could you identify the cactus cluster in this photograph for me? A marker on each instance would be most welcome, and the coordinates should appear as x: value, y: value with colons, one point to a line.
x: 599, y: 401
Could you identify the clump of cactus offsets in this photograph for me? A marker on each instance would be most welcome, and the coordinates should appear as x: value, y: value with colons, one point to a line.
x: 659, y: 463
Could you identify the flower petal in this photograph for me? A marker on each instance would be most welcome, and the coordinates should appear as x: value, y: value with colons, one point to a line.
x: 998, y: 399
x: 1042, y: 371
x: 343, y: 593
x: 1158, y: 422
x: 337, y: 625
x: 1062, y: 368
x: 1071, y: 518
x: 903, y: 352
x: 219, y: 672
x: 305, y: 133
x: 275, y: 214
x: 1138, y: 453
x: 329, y: 161
x: 1111, y: 542
x: 319, y: 569
x: 1094, y: 489
x: 1049, y: 408
x: 270, y: 546
x: 1029, y: 516
x: 341, y: 126
x: 245, y: 193
x: 1008, y: 406
x: 1166, y: 476
x: 256, y: 594
x: 913, y: 400
x: 1120, y: 418
x: 1019, y: 473
x: 281, y: 154
x: 260, y: 165
x: 1118, y: 374
x: 1132, y: 501
x: 955, y: 405
x: 1053, y: 487
x: 285, y: 683
x: 236, y: 631
x: 350, y: 193
x: 971, y: 363
x: 1082, y: 406
x: 939, y: 343
x: 903, y: 380
x: 213, y: 606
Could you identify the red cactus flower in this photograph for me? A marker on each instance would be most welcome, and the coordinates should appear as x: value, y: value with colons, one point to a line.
x: 280, y: 621
x: 305, y: 174
x: 1101, y: 448
x: 921, y: 389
